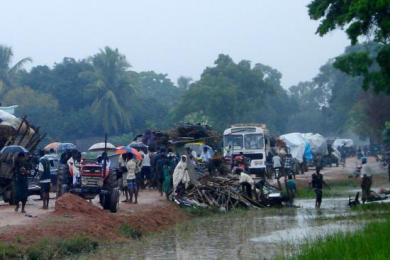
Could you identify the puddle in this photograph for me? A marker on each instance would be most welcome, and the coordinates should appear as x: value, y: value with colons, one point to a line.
x: 263, y: 234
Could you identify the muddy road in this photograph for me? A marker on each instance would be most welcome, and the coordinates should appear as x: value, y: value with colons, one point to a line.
x: 244, y: 234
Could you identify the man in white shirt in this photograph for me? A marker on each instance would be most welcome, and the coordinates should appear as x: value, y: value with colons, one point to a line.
x: 366, y: 174
x: 146, y: 167
x: 44, y: 170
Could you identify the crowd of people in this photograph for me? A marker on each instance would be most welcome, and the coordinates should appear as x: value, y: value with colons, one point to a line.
x: 167, y: 172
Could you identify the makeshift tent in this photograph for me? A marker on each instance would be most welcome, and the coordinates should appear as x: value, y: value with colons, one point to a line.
x: 296, y: 144
x: 348, y: 143
x: 318, y: 143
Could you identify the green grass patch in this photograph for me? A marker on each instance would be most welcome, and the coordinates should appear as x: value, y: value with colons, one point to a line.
x: 129, y: 232
x: 370, y: 243
x: 372, y: 207
x: 48, y: 249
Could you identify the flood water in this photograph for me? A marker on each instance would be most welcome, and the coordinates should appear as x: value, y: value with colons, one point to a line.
x: 253, y: 234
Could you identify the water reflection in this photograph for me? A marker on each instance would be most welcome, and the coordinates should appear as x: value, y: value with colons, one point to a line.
x: 263, y: 234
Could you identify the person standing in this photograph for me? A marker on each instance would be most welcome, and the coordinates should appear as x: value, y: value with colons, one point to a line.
x: 122, y: 165
x: 366, y: 175
x: 45, y: 178
x: 290, y: 189
x: 317, y: 185
x: 146, y: 168
x: 20, y: 182
x: 277, y: 165
x: 206, y: 158
x: 180, y: 176
x: 288, y: 165
x: 131, y: 178
x: 167, y: 179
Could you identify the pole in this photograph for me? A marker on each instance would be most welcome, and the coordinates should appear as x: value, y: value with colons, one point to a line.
x: 105, y: 156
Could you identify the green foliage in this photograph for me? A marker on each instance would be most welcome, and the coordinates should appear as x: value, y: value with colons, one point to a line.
x: 360, y: 18
x: 232, y: 92
x: 129, y: 232
x: 48, y: 249
x: 370, y: 207
x: 9, y: 252
x: 8, y: 72
x: 371, y: 243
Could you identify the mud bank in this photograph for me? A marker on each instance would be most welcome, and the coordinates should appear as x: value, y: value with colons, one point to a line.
x: 74, y: 216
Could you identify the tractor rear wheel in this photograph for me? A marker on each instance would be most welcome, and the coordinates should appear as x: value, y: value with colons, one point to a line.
x: 114, y: 200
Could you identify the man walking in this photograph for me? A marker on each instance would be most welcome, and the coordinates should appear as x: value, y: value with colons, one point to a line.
x: 317, y: 184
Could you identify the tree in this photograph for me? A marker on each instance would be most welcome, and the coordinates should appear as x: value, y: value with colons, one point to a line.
x: 157, y: 86
x: 7, y: 71
x: 184, y: 83
x: 113, y: 90
x: 362, y: 18
x: 42, y: 109
x: 230, y: 92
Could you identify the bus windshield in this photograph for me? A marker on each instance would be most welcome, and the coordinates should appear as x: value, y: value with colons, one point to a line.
x: 254, y: 141
x: 233, y: 142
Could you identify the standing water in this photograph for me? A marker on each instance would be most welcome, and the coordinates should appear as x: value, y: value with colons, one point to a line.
x: 254, y: 234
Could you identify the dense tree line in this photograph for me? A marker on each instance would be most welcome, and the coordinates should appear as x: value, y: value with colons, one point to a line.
x: 84, y: 98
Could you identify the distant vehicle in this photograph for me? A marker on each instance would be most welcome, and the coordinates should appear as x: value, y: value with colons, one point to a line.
x: 250, y: 139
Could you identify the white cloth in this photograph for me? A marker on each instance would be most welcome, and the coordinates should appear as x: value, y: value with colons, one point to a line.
x: 146, y: 160
x: 41, y: 169
x: 205, y: 157
x: 245, y: 178
x: 276, y: 162
x: 180, y: 174
x: 75, y: 171
x: 366, y: 170
x: 131, y: 168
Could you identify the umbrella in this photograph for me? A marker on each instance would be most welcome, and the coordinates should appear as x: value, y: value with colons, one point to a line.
x: 137, y: 145
x: 53, y: 146
x: 100, y: 147
x: 127, y: 149
x: 13, y: 149
x: 62, y: 147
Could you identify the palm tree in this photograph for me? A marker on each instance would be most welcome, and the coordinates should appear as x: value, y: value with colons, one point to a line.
x: 113, y: 89
x: 8, y: 72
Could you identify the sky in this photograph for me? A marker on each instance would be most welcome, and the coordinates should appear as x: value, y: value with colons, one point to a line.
x: 176, y: 37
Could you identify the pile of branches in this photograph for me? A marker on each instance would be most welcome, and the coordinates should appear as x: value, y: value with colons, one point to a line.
x: 220, y: 193
x: 188, y: 131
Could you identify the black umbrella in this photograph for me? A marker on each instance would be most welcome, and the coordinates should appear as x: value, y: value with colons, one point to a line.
x: 13, y: 149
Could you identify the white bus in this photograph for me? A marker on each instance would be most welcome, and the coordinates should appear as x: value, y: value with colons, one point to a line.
x: 250, y: 139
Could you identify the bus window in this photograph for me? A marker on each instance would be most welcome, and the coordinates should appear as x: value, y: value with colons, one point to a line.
x: 234, y: 141
x: 254, y: 141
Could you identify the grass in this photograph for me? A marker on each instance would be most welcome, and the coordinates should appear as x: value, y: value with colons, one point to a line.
x: 129, y: 232
x: 372, y: 207
x: 48, y: 249
x: 370, y: 243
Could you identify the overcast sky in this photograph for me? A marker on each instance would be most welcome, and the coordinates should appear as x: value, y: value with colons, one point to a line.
x: 178, y: 37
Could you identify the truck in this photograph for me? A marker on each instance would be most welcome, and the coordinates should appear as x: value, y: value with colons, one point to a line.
x: 250, y: 139
x: 14, y: 131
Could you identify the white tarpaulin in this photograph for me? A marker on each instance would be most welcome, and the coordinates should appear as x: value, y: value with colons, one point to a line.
x: 317, y: 143
x: 296, y: 144
x: 340, y: 142
x: 9, y: 124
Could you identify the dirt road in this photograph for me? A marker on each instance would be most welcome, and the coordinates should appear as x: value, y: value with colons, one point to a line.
x: 147, y: 200
x: 153, y: 212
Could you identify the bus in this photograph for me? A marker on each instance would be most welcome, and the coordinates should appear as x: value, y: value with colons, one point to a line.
x: 250, y: 139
